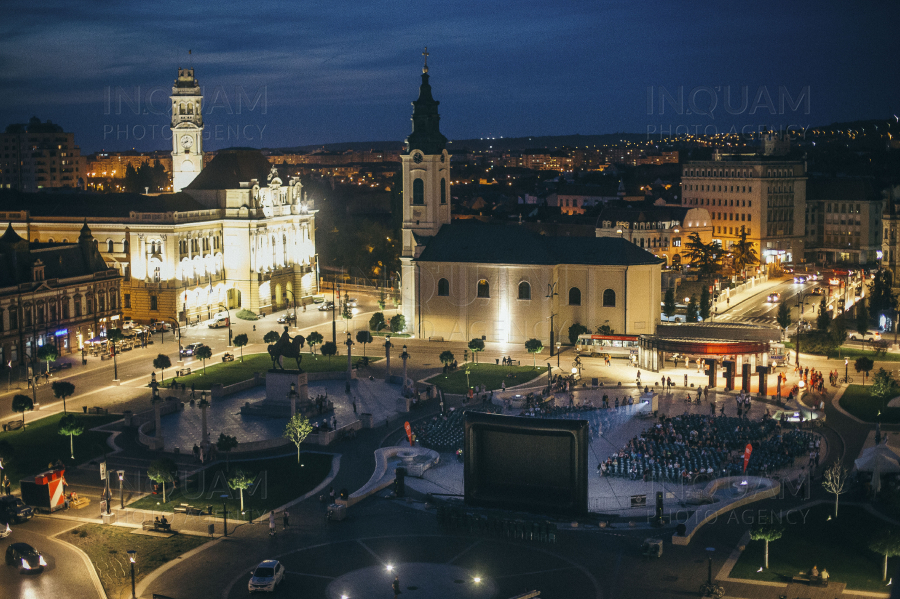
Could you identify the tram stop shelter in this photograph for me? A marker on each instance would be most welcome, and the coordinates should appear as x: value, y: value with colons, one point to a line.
x: 741, y: 348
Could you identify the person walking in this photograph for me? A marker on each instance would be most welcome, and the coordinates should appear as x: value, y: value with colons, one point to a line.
x: 272, y: 524
x: 193, y: 390
x: 7, y: 486
x: 286, y: 517
x: 396, y: 585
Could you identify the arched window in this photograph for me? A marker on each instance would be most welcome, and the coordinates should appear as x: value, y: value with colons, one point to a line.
x: 125, y: 246
x: 609, y: 299
x: 524, y: 291
x: 574, y: 296
x: 443, y: 287
x: 418, y: 192
x: 109, y: 246
x: 484, y: 288
x: 443, y: 191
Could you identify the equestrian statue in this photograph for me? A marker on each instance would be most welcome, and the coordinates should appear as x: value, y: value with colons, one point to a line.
x: 287, y: 347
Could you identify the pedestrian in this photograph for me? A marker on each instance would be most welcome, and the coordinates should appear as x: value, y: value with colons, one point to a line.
x: 287, y: 519
x: 7, y: 486
x: 722, y: 409
x: 193, y: 390
x: 354, y: 406
x: 272, y: 524
x: 331, y: 494
x: 396, y: 585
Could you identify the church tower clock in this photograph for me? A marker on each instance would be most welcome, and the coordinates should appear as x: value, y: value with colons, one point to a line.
x: 187, y: 130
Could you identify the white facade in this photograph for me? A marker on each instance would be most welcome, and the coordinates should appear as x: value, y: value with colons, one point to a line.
x: 187, y: 130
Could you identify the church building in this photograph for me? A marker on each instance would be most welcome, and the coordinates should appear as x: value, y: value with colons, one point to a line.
x: 503, y: 283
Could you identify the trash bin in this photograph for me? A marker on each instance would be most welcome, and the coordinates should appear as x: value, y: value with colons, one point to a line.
x: 337, y: 511
x: 497, y: 361
x: 211, y: 529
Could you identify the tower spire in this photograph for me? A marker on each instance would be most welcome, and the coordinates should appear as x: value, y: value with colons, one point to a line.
x: 425, y: 54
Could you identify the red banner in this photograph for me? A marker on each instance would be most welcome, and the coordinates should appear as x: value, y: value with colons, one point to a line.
x: 747, y: 451
x: 410, y: 437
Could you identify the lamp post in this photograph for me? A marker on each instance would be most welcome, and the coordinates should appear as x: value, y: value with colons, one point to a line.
x: 846, y: 369
x: 549, y: 377
x: 404, y: 356
x: 551, y: 293
x: 387, y: 355
x: 349, y: 344
x: 799, y: 322
x: 228, y: 312
x: 224, y: 515
x: 292, y: 395
x: 132, y: 555
x: 121, y: 474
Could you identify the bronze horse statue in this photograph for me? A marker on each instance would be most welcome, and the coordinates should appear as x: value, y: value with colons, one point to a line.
x: 287, y: 347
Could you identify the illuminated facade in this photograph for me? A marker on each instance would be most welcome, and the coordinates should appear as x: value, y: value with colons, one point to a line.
x: 38, y: 155
x: 187, y: 130
x: 661, y: 230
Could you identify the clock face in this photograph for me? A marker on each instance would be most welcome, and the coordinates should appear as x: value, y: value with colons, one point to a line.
x: 417, y: 157
x: 187, y: 141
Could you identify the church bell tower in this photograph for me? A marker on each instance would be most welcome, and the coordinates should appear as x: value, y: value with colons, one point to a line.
x: 187, y: 130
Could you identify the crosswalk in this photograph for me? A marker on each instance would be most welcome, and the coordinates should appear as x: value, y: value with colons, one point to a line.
x: 770, y: 320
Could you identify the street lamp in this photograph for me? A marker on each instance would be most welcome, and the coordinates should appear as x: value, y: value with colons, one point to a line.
x: 846, y: 370
x: 132, y: 555
x: 404, y: 356
x: 224, y: 514
x: 551, y: 293
x: 228, y: 312
x: 121, y: 474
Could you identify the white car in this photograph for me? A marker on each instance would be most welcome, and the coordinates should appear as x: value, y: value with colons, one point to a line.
x: 266, y: 576
x: 5, y: 532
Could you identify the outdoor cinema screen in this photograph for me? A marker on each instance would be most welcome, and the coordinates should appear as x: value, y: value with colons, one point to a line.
x: 526, y: 463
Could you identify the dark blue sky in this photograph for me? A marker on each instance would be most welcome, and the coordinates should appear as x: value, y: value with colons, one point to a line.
x: 347, y: 71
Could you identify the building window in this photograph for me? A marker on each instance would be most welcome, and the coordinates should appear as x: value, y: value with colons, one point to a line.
x: 127, y: 300
x: 443, y: 191
x: 101, y: 303
x: 65, y: 308
x: 112, y: 301
x: 89, y: 305
x: 109, y: 246
x: 27, y: 316
x: 443, y: 287
x: 524, y: 291
x: 609, y: 299
x: 77, y: 307
x: 40, y: 314
x: 484, y: 288
x: 13, y: 317
x: 418, y: 192
x: 574, y: 296
x: 153, y: 303
x: 677, y: 242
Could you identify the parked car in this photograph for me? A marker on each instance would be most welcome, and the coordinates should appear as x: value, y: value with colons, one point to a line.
x: 219, y: 321
x: 329, y: 305
x: 13, y: 509
x: 190, y: 350
x: 318, y: 299
x: 160, y: 326
x: 26, y: 557
x: 127, y: 324
x: 287, y: 318
x: 266, y: 576
x: 5, y: 532
x: 869, y: 336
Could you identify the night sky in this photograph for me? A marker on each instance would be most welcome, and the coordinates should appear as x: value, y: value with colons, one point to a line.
x: 279, y: 74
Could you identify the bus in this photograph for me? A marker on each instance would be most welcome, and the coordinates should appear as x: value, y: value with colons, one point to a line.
x: 777, y: 354
x: 616, y: 346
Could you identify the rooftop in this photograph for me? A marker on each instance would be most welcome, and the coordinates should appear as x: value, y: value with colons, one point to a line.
x: 70, y: 202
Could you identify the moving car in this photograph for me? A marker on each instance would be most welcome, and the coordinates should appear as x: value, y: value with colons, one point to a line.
x: 287, y: 318
x: 352, y: 302
x: 190, y: 350
x: 773, y: 297
x: 13, y: 509
x: 26, y: 557
x: 219, y: 321
x: 869, y: 336
x: 329, y: 305
x: 799, y: 279
x: 266, y: 576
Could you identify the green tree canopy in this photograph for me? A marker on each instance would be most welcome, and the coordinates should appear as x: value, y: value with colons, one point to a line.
x: 476, y: 345
x: 669, y: 306
x: 823, y: 318
x: 862, y: 317
x: 743, y: 254
x: 837, y: 330
x: 241, y: 341
x: 22, y: 403
x: 377, y: 322
x: 883, y: 385
x: 297, y: 429
x: 446, y: 357
x: 71, y: 426
x: 693, y: 310
x: 576, y: 329
x: 62, y: 390
x: 329, y: 348
x: 204, y: 353
x: 767, y: 531
x: 398, y: 323
x: 704, y: 256
x: 162, y: 471
x: 271, y: 337
x: 314, y: 339
x: 882, y: 298
x: 47, y: 353
x: 534, y: 346
x: 705, y: 303
x: 783, y: 317
x: 161, y: 362
x: 364, y: 338
x: 864, y: 365
x: 887, y: 543
x: 225, y: 444
x: 239, y: 481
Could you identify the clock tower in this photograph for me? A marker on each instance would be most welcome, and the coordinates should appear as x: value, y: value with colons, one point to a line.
x: 187, y: 130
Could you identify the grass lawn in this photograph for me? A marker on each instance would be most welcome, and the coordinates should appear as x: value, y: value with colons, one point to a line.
x: 858, y: 401
x: 839, y: 545
x: 107, y: 547
x: 229, y: 373
x: 393, y: 335
x: 282, y: 480
x: 491, y: 375
x: 29, y: 451
x: 846, y: 351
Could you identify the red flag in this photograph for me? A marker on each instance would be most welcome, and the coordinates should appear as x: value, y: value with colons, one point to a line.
x: 409, y: 433
x: 747, y: 451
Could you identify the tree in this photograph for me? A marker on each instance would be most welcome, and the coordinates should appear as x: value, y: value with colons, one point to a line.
x: 693, y: 311
x: 783, y: 317
x: 476, y: 345
x: 534, y: 346
x: 446, y: 357
x: 398, y: 323
x: 577, y: 329
x: 883, y: 385
x: 226, y: 443
x: 297, y: 429
x: 881, y: 295
x: 161, y: 362
x: 835, y: 481
x: 837, y: 330
x: 314, y: 339
x: 22, y: 403
x: 363, y: 337
x: 887, y: 543
x: 240, y: 341
x: 862, y: 317
x: 204, y: 353
x: 377, y: 322
x: 381, y: 298
x: 743, y: 254
x: 767, y: 531
x: 329, y: 348
x: 705, y: 303
x: 864, y: 365
x: 69, y: 425
x: 47, y: 353
x: 62, y: 390
x: 239, y: 481
x: 162, y: 471
x: 705, y: 256
x: 271, y: 337
x: 669, y: 303
x: 823, y: 319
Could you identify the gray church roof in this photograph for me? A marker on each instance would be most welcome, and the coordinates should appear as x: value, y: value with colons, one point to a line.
x: 232, y: 167
x: 475, y: 242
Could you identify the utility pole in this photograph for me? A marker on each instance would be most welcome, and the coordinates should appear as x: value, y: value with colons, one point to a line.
x: 551, y: 293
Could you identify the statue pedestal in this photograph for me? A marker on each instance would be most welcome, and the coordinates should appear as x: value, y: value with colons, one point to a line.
x: 277, y: 403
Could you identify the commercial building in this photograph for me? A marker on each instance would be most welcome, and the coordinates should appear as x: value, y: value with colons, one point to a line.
x: 843, y: 221
x: 38, y: 155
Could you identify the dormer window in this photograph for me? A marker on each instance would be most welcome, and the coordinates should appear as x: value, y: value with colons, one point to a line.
x: 37, y: 271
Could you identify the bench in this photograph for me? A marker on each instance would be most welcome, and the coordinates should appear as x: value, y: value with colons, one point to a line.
x: 190, y: 510
x: 157, y: 526
x: 13, y: 425
x: 79, y: 503
x: 435, y: 338
x: 183, y: 372
x: 810, y: 580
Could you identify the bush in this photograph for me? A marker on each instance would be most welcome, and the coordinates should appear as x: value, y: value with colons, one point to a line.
x: 329, y: 348
x: 575, y: 330
x: 377, y: 322
x: 247, y: 315
x: 398, y: 323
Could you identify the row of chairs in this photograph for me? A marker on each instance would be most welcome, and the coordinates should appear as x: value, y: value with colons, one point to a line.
x: 456, y: 519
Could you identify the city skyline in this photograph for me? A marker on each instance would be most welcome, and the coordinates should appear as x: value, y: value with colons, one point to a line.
x: 283, y: 78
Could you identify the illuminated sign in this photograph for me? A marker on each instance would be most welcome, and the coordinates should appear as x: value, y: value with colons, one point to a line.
x: 61, y: 332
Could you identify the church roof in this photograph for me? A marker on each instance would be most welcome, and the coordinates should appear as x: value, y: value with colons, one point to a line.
x: 232, y: 167
x: 476, y: 242
x: 60, y: 260
x: 75, y: 203
x: 426, y: 133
